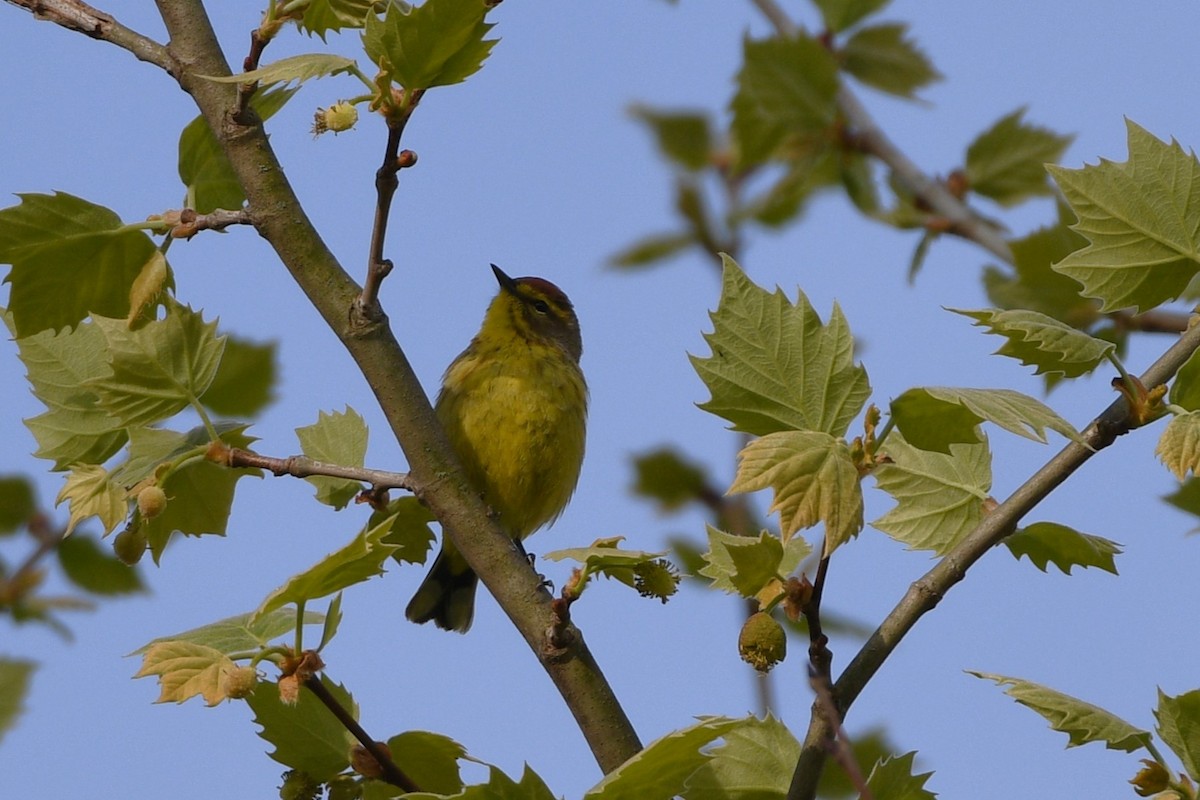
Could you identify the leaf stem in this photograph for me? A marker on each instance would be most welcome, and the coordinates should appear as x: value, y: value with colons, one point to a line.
x: 299, y: 640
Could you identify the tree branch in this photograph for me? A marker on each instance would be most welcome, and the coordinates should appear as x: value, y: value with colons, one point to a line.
x: 281, y: 220
x: 81, y: 17
x: 304, y: 467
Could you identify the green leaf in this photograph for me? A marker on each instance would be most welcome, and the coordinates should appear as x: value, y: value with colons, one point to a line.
x: 1187, y: 497
x: 430, y: 759
x: 158, y: 369
x: 70, y: 258
x: 744, y: 565
x: 1179, y: 726
x: 438, y: 43
x: 668, y: 478
x: 17, y: 502
x: 1142, y: 221
x: 1179, y: 445
x: 338, y: 438
x: 90, y: 492
x: 74, y: 428
x: 1034, y: 286
x: 333, y: 620
x: 323, y: 16
x: 816, y: 167
x: 90, y: 567
x: 661, y: 769
x: 814, y: 480
x: 359, y: 560
x: 649, y: 250
x: 241, y: 633
x: 935, y: 417
x: 205, y: 171
x: 939, y: 497
x: 186, y: 670
x: 1038, y: 340
x: 245, y: 380
x: 15, y: 676
x: 786, y: 87
x: 1048, y: 542
x: 869, y: 747
x: 1185, y: 389
x: 1082, y: 722
x: 1007, y: 162
x: 893, y: 779
x: 775, y: 366
x: 293, y: 68
x: 756, y: 761
x: 842, y: 14
x: 683, y: 137
x: 881, y: 56
x: 635, y: 568
x: 408, y: 529
x: 306, y: 735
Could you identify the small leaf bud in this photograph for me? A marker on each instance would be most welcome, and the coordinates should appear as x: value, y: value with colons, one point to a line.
x: 1150, y: 779
x: 762, y: 643
x: 364, y: 762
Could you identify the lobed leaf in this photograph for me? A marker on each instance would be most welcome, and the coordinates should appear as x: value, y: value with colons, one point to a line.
x: 1185, y: 388
x: 683, y: 137
x: 90, y: 567
x: 646, y: 572
x: 322, y: 16
x: 1179, y: 445
x: 936, y: 417
x: 651, y: 249
x: 842, y: 14
x: 1007, y: 162
x: 1081, y: 721
x: 1187, y: 497
x: 186, y: 670
x: 306, y: 734
x: 90, y: 492
x: 881, y: 56
x: 298, y: 68
x: 429, y: 759
x: 668, y: 478
x: 1049, y: 542
x: 893, y: 779
x: 756, y: 760
x: 337, y: 438
x: 1038, y: 340
x: 1179, y: 726
x: 1033, y: 285
x: 408, y: 529
x: 241, y: 633
x: 438, y: 43
x: 745, y: 565
x: 775, y: 366
x: 17, y: 502
x: 15, y: 675
x: 245, y: 380
x: 1141, y: 218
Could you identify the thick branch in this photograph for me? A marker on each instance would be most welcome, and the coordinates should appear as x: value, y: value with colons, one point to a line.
x: 281, y: 220
x: 81, y: 17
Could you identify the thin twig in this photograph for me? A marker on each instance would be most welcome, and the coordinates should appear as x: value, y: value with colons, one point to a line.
x: 97, y: 24
x: 819, y: 657
x: 839, y: 746
x: 186, y: 223
x: 304, y: 467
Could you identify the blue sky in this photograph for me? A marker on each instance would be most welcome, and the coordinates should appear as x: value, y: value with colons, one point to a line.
x: 534, y: 164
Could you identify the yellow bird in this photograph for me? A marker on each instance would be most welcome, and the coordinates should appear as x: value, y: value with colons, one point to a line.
x: 514, y: 405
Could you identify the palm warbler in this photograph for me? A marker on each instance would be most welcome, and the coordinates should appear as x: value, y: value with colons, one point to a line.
x: 514, y: 405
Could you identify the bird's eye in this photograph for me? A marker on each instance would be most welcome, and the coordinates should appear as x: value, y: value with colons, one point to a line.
x: 541, y: 306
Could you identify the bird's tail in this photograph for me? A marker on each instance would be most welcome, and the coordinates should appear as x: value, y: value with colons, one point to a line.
x: 447, y: 595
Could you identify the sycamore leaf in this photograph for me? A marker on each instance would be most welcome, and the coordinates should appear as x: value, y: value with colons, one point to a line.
x: 683, y: 137
x: 669, y: 479
x: 185, y: 670
x: 148, y: 290
x: 1038, y: 340
x: 775, y: 366
x: 337, y: 438
x: 14, y: 687
x: 498, y: 787
x: 159, y: 369
x: 90, y: 492
x: 1082, y: 722
x: 70, y: 258
x: 646, y: 572
x: 293, y: 68
x: 17, y: 502
x: 935, y: 417
x: 939, y: 496
x: 95, y: 569
x: 881, y: 56
x: 1048, y: 542
x: 245, y: 380
x: 842, y: 14
x: 430, y: 759
x: 1185, y: 389
x: 438, y: 43
x: 660, y: 769
x: 1179, y: 726
x: 241, y: 633
x: 786, y: 86
x: 894, y: 779
x: 1187, y: 497
x: 1179, y: 445
x: 816, y: 167
x: 756, y: 760
x: 744, y: 565
x: 649, y: 250
x: 1033, y: 285
x: 408, y: 529
x: 1007, y: 162
x: 1142, y: 221
x: 322, y: 16
x: 814, y: 480
x: 359, y: 560
x: 306, y: 735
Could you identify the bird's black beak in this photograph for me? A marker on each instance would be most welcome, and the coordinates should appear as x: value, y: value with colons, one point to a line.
x: 506, y: 282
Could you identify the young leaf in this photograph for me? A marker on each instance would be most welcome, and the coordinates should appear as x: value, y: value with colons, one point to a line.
x: 787, y: 86
x: 14, y: 686
x: 1142, y: 221
x: 323, y: 16
x: 438, y: 43
x: 756, y: 760
x: 1185, y: 389
x: 245, y: 380
x: 1187, y: 497
x: 70, y: 258
x: 159, y: 369
x: 893, y: 779
x: 241, y: 633
x: 1033, y: 285
x: 408, y: 529
x: 775, y: 366
x: 1082, y: 722
x: 662, y: 767
x: 90, y: 567
x: 90, y: 492
x: 744, y: 565
x: 1007, y: 162
x: 185, y: 670
x: 881, y: 56
x: 293, y: 68
x: 683, y: 137
x: 1179, y: 445
x: 842, y: 14
x: 333, y: 618
x: 651, y: 249
x: 935, y: 417
x: 359, y: 560
x: 668, y: 478
x: 1041, y: 341
x: 307, y: 736
x: 1179, y: 726
x: 430, y: 759
x: 17, y: 502
x: 337, y: 438
x: 1048, y: 542
x: 814, y: 480
x: 939, y: 497
x: 634, y: 568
